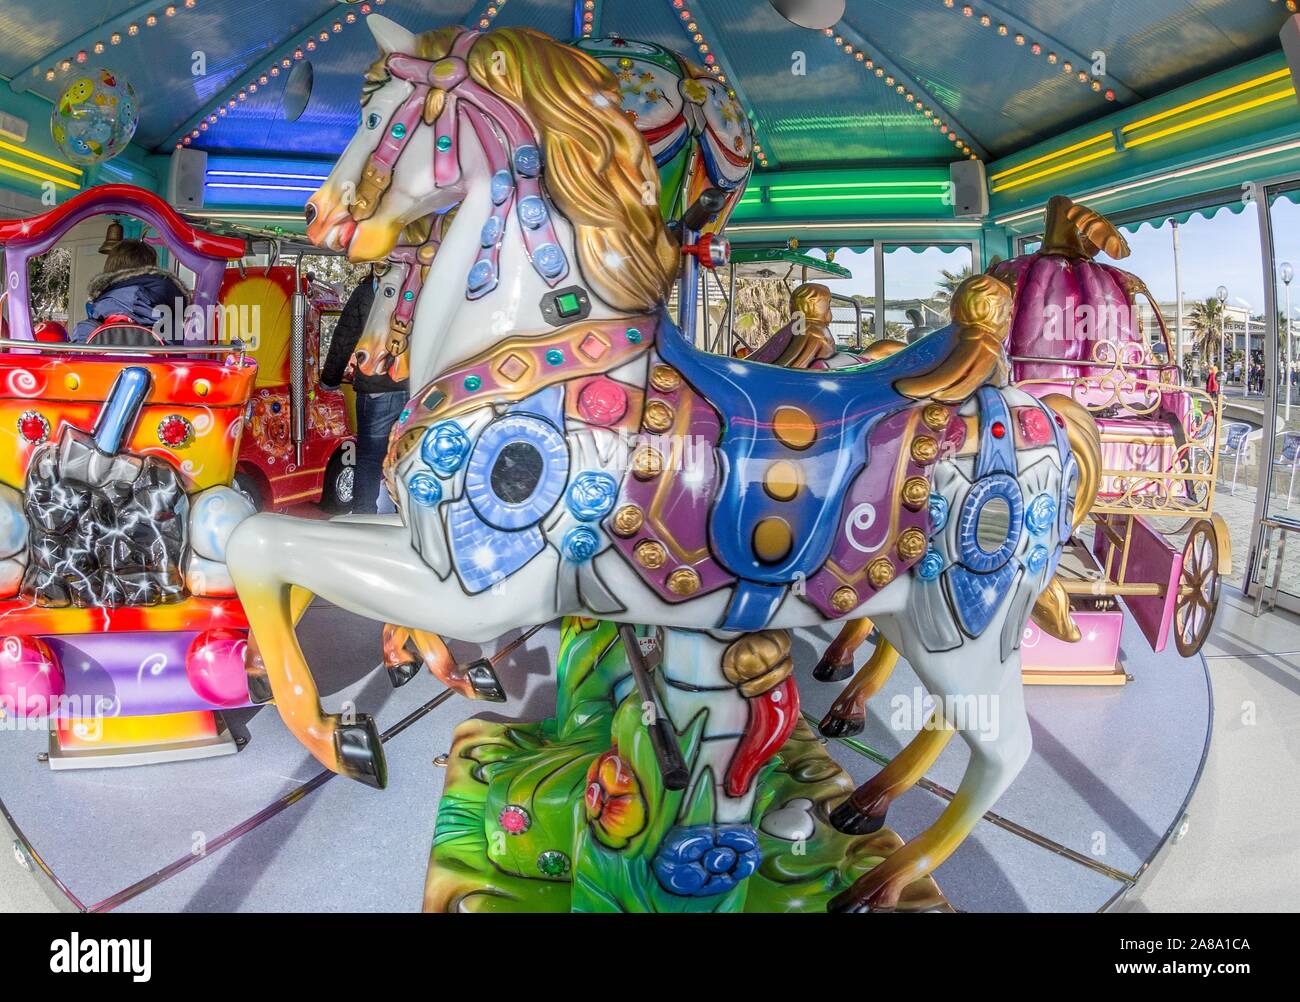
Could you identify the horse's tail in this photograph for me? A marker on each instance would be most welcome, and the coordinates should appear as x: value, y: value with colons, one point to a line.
x: 1052, y: 610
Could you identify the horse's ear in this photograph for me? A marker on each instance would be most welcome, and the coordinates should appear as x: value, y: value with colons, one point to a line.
x: 390, y: 35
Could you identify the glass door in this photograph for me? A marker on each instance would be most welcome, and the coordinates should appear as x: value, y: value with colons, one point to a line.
x: 1275, y: 367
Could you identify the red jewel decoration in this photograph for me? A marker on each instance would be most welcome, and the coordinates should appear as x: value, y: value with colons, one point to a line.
x: 999, y: 429
x: 1034, y: 426
x: 1060, y: 420
x: 33, y: 427
x: 175, y: 431
x: 514, y: 819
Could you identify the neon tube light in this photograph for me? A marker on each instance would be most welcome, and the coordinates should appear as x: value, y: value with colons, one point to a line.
x: 1236, y: 158
x: 878, y: 224
x: 33, y: 172
x: 258, y: 187
x: 1050, y: 156
x: 39, y: 158
x: 862, y: 197
x: 1054, y: 170
x: 1213, y: 116
x: 1208, y: 99
x: 268, y: 174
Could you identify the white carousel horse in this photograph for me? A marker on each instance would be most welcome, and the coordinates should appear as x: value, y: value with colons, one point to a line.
x: 569, y: 454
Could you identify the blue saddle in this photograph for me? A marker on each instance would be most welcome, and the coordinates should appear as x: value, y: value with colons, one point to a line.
x: 839, y: 406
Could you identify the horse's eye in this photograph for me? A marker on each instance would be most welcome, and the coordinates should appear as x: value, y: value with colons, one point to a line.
x: 373, y: 120
x: 390, y: 291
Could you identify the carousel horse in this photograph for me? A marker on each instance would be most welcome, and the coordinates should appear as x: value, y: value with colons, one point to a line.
x: 568, y: 454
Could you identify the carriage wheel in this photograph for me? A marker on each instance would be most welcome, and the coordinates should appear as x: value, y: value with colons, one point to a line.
x: 1207, y: 556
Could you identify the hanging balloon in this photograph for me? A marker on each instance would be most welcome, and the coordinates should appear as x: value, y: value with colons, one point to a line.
x: 95, y: 118
x: 697, y: 131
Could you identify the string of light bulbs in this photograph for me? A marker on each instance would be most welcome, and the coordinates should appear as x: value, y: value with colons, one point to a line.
x: 712, y: 66
x: 1036, y: 48
x: 82, y: 56
x: 887, y: 79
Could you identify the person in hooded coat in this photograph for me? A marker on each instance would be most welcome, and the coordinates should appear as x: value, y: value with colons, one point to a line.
x: 132, y: 285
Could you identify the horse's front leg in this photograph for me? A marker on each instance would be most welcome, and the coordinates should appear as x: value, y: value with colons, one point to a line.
x: 369, y: 569
x: 477, y: 680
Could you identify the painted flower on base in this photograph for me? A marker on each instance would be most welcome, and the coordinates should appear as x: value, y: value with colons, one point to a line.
x: 615, y: 807
x: 701, y: 861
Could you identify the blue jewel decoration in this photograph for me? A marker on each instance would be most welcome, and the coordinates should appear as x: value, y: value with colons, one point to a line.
x: 532, y: 212
x: 502, y: 185
x: 408, y: 295
x: 549, y: 260
x: 701, y: 861
x: 1040, y: 516
x: 580, y: 544
x: 275, y: 407
x: 1037, y: 559
x: 445, y: 447
x: 633, y: 336
x: 931, y: 565
x: 425, y: 490
x: 938, y: 511
x: 555, y: 356
x: 472, y: 383
x: 528, y: 161
x: 482, y: 275
x: 592, y: 496
x: 444, y: 143
x: 490, y: 235
x: 399, y: 130
x: 406, y: 413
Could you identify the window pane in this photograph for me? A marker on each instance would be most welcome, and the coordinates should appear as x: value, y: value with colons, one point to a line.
x: 919, y: 282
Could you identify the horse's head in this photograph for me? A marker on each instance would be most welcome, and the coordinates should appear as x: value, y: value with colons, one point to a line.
x: 532, y: 125
x: 383, y: 345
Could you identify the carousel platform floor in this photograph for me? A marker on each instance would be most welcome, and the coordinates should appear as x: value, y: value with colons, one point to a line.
x: 266, y: 830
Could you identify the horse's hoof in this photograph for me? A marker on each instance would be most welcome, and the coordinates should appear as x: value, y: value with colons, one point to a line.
x: 361, y: 752
x: 259, y: 685
x: 483, y: 680
x: 400, y: 674
x: 829, y: 671
x: 841, y: 727
x: 849, y: 820
x: 849, y: 903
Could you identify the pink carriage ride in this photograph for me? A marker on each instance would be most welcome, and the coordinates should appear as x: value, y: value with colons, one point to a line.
x: 1076, y: 330
x: 119, y: 623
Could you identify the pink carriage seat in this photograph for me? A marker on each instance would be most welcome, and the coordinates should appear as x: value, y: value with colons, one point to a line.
x: 1076, y: 330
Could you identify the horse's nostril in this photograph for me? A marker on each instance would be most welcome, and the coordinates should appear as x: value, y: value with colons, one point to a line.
x: 310, y: 213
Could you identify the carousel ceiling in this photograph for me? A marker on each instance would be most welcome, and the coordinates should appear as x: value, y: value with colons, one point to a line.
x: 999, y: 76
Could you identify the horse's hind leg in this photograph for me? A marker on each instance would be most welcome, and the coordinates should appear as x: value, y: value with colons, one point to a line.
x: 848, y: 714
x: 837, y: 663
x: 864, y: 811
x: 996, y: 759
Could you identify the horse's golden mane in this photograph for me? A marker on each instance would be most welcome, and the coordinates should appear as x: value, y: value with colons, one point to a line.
x: 598, y: 168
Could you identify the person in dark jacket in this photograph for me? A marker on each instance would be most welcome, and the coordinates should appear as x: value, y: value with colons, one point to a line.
x: 132, y: 285
x: 379, y: 401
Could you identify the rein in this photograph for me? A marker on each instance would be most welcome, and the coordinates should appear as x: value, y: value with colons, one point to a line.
x: 508, y: 143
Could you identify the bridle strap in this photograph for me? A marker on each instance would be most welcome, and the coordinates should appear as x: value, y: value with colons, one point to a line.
x: 508, y: 144
x: 416, y: 260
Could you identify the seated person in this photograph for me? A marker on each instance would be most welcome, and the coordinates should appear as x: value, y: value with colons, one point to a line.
x: 132, y: 285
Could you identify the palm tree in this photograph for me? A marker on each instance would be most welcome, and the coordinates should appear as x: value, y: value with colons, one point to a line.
x: 949, y: 282
x: 1205, y: 320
